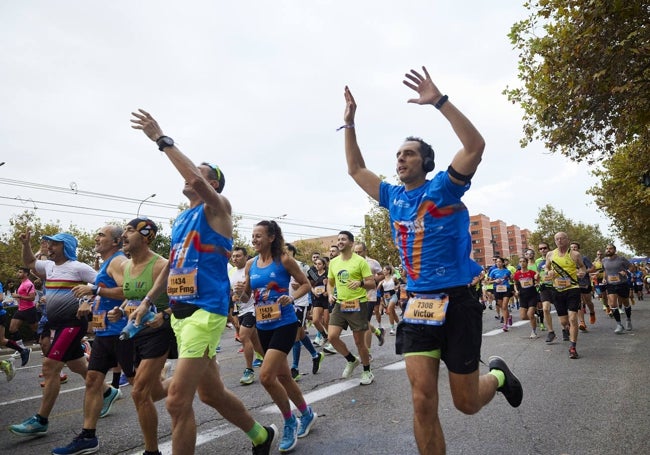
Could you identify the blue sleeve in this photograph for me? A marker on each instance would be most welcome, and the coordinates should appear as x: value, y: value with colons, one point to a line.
x: 384, y: 194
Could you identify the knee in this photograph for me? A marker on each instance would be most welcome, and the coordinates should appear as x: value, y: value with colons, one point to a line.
x: 267, y: 379
x: 139, y: 394
x: 94, y: 381
x: 425, y: 407
x: 176, y: 405
x: 465, y: 406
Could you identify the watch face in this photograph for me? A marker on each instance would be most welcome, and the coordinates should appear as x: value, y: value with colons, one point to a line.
x: 168, y: 141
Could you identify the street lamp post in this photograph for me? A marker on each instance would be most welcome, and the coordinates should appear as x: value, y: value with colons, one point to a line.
x: 137, y: 215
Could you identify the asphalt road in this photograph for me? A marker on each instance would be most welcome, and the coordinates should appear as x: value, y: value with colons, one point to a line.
x: 597, y: 404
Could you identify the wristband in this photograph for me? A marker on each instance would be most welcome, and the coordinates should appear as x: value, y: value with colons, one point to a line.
x: 94, y: 289
x: 345, y: 126
x: 441, y: 101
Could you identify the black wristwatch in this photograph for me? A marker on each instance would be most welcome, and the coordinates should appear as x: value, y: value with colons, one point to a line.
x: 164, y: 141
x: 166, y: 316
x: 93, y: 289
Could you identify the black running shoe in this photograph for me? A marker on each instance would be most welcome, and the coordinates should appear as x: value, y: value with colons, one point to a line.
x: 511, y: 389
x: 265, y: 448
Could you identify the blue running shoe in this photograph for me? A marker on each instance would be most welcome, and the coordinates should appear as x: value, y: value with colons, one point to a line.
x: 306, y: 422
x: 29, y: 427
x: 109, y: 400
x: 24, y: 356
x: 78, y: 446
x: 257, y: 363
x: 290, y: 435
x: 123, y: 380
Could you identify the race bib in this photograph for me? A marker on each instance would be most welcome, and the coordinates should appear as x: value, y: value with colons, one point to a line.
x: 267, y: 312
x: 429, y: 309
x: 501, y: 288
x: 350, y: 306
x: 130, y: 307
x: 613, y: 279
x: 526, y: 283
x: 181, y: 284
x: 98, y: 323
x: 561, y: 283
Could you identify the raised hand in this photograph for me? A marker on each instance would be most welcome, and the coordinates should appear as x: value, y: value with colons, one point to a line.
x: 429, y: 93
x: 25, y: 237
x: 350, y: 107
x: 145, y: 122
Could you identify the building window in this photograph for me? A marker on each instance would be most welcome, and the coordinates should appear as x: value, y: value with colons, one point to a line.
x: 475, y: 232
x: 478, y: 251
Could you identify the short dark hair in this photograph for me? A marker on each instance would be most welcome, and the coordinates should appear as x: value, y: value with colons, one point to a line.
x: 215, y: 173
x: 24, y: 270
x: 240, y: 248
x: 292, y: 248
x: 425, y: 148
x: 575, y: 243
x: 348, y: 234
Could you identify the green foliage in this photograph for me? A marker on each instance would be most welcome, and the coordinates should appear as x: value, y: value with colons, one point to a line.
x: 585, y: 75
x: 550, y: 221
x: 622, y: 197
x: 377, y: 236
x: 306, y: 248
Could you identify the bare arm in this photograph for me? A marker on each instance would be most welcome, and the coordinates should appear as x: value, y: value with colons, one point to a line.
x: 467, y: 159
x: 29, y: 260
x: 218, y: 207
x: 296, y: 272
x: 366, y: 179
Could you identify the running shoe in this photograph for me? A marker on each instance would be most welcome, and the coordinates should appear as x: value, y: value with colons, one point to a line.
x: 381, y: 336
x: 257, y: 363
x: 628, y: 324
x: 583, y: 327
x: 7, y: 366
x: 550, y: 337
x: 619, y: 329
x: 15, y: 355
x: 306, y: 422
x: 533, y: 335
x: 511, y: 388
x: 392, y: 331
x: 316, y: 362
x: 78, y: 446
x: 123, y: 380
x: 349, y: 368
x: 24, y: 356
x: 290, y: 435
x: 367, y: 377
x: 592, y: 318
x: 509, y: 321
x: 240, y: 350
x: 108, y: 401
x: 541, y: 326
x: 505, y: 327
x: 62, y: 377
x: 329, y: 349
x: 265, y: 447
x: 573, y: 354
x: 218, y: 349
x: 295, y: 374
x: 318, y: 339
x: 29, y: 427
x: 248, y: 377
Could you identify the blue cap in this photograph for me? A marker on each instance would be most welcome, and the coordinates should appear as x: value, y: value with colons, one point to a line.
x: 69, y: 244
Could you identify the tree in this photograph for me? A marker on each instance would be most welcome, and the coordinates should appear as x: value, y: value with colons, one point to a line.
x: 377, y: 235
x: 622, y: 196
x: 549, y: 222
x: 585, y: 71
x: 12, y: 247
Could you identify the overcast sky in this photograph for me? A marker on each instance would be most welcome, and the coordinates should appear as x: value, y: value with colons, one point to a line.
x: 257, y: 88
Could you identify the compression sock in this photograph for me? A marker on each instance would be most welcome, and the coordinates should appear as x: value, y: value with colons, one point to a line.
x: 501, y: 377
x: 350, y: 357
x: 617, y: 315
x: 296, y: 354
x: 115, y: 383
x: 257, y: 434
x: 628, y: 311
x: 306, y: 342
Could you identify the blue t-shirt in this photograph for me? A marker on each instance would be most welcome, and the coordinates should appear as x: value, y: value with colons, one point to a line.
x: 200, y: 255
x: 430, y: 227
x: 268, y: 284
x: 104, y: 280
x: 504, y: 274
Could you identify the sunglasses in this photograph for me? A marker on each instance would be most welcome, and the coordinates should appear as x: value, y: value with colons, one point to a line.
x: 216, y: 169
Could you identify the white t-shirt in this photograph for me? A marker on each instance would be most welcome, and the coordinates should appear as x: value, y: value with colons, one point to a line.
x: 375, y: 267
x: 235, y: 275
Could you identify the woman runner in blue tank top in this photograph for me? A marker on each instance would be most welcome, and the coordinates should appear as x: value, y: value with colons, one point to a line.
x: 267, y: 279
